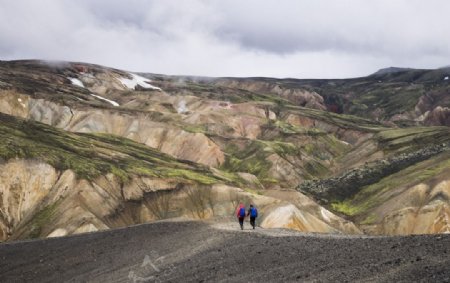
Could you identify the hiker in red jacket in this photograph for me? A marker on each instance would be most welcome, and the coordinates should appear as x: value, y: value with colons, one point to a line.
x: 240, y: 213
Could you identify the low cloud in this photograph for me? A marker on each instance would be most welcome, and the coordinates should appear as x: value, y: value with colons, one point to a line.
x: 342, y: 38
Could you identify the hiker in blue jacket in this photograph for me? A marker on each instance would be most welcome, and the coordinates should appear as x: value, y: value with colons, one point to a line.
x: 253, y: 213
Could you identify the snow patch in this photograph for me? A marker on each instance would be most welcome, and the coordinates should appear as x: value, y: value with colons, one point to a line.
x: 76, y: 82
x: 105, y: 99
x: 137, y: 80
x: 446, y: 78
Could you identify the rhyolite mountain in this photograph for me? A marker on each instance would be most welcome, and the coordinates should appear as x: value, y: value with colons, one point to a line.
x: 85, y: 148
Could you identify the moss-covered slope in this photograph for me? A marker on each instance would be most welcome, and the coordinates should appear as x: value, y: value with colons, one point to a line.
x: 406, y: 187
x: 92, y: 155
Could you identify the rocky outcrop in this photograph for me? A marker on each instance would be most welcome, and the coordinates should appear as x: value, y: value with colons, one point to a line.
x: 438, y: 116
x: 432, y: 108
x: 349, y: 183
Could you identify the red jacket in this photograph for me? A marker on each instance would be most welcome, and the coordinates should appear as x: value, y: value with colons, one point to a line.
x: 238, y: 214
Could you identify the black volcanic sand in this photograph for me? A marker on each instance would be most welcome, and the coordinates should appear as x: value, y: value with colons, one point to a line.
x: 196, y: 251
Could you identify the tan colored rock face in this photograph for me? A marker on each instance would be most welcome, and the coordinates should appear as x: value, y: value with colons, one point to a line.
x: 38, y: 201
x: 284, y: 171
x: 291, y: 217
x: 13, y: 103
x: 101, y: 83
x: 136, y: 190
x: 300, y: 121
x: 171, y: 140
x: 49, y: 113
x: 23, y: 186
x: 420, y: 210
x: 229, y: 120
x: 16, y: 104
x: 191, y: 146
x: 302, y: 213
x: 174, y: 141
x: 350, y: 136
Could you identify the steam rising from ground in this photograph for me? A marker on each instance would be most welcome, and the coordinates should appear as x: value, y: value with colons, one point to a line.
x: 181, y: 108
x: 55, y: 64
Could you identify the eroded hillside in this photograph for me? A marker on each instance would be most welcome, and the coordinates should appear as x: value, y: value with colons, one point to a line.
x: 409, y: 97
x: 55, y: 183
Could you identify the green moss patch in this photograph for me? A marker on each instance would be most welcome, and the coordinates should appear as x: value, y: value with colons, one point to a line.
x: 42, y: 218
x: 251, y: 160
x: 374, y: 195
x: 91, y: 155
x: 340, y: 120
x: 407, y: 139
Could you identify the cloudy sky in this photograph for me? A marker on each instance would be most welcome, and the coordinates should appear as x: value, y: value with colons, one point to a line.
x: 276, y: 38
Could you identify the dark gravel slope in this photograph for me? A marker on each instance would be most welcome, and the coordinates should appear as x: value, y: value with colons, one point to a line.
x: 194, y: 251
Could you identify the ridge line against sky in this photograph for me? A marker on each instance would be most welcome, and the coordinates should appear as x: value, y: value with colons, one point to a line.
x: 297, y: 39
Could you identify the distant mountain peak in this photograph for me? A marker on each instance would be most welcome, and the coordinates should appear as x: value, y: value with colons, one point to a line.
x: 391, y: 70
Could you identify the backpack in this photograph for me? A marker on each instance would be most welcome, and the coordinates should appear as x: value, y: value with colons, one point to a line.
x: 253, y: 212
x: 242, y: 212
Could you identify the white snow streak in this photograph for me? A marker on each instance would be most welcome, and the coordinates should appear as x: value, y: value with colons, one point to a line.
x: 105, y: 99
x: 76, y: 82
x: 137, y: 80
x: 446, y: 78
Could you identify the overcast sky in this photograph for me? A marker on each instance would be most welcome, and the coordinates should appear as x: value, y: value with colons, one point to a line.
x: 276, y: 38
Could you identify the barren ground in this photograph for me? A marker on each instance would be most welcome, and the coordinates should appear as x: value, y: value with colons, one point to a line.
x: 197, y: 252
